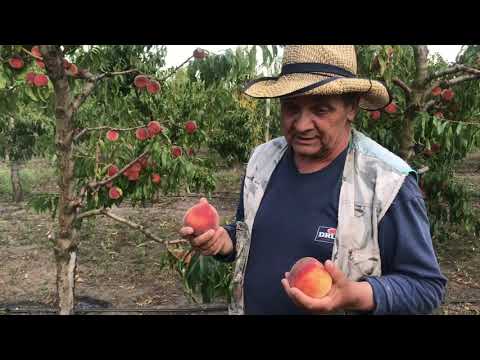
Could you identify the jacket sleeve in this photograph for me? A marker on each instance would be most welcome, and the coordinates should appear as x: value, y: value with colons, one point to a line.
x: 411, y: 281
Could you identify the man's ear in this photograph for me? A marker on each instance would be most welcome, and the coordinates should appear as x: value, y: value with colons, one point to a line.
x: 353, y: 110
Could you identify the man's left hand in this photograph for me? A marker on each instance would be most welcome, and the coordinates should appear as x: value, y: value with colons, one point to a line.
x: 345, y: 294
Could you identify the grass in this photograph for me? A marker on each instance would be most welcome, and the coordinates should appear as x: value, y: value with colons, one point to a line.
x: 33, y: 177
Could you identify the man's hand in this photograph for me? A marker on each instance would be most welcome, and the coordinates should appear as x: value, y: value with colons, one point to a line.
x: 212, y: 242
x: 344, y: 294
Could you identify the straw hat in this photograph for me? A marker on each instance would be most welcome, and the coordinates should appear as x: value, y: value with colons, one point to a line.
x: 322, y: 70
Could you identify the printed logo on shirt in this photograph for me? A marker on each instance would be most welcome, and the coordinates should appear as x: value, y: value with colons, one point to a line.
x: 325, y: 234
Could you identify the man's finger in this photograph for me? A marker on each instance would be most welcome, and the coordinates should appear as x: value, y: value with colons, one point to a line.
x: 334, y: 271
x: 202, y: 239
x: 212, y: 242
x: 186, y: 231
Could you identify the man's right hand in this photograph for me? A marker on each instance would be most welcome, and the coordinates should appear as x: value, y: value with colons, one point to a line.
x: 212, y: 242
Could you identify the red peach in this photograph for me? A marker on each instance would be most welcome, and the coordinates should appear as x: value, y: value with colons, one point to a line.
x: 201, y: 217
x: 437, y: 91
x: 16, y: 63
x: 115, y: 193
x: 112, y: 135
x: 140, y: 81
x: 309, y: 275
x: 391, y: 108
x: 156, y: 178
x: 176, y: 151
x: 191, y: 126
x: 141, y: 134
x: 112, y: 170
x: 40, y: 80
x: 375, y: 115
x: 153, y: 87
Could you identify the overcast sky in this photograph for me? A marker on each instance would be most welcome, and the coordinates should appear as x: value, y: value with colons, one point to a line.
x: 176, y: 54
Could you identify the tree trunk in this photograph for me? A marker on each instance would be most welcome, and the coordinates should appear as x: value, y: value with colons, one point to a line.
x: 414, y: 102
x: 66, y: 268
x: 65, y: 239
x: 17, y: 190
x: 267, y: 128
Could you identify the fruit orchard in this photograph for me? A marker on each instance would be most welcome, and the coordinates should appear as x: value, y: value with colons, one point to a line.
x: 120, y: 129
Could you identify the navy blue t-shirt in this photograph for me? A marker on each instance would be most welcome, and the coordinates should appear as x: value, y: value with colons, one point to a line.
x: 297, y: 218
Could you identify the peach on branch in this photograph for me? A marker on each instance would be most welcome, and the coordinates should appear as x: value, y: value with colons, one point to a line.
x: 40, y: 80
x: 115, y: 193
x: 40, y: 64
x: 154, y: 128
x: 112, y: 170
x: 16, y: 62
x: 375, y: 115
x: 36, y: 51
x: 191, y: 127
x: 153, y: 87
x: 437, y: 91
x: 391, y: 108
x: 140, y: 81
x: 156, y: 178
x: 448, y: 94
x: 141, y: 134
x: 112, y: 135
x: 176, y: 151
x: 30, y: 77
x: 309, y: 276
x: 202, y: 217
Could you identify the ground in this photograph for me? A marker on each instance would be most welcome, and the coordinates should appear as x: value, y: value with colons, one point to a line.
x: 120, y: 268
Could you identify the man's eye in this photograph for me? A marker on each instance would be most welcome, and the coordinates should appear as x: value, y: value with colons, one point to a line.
x: 320, y: 110
x: 290, y: 108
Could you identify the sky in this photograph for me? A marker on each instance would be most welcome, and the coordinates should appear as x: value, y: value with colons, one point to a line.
x: 176, y: 54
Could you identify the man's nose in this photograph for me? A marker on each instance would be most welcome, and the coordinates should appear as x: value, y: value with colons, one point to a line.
x: 304, y: 122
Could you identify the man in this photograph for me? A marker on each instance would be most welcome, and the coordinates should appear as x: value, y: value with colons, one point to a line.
x: 327, y: 191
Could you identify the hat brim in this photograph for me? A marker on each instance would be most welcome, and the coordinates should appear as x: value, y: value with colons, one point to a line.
x: 374, y: 95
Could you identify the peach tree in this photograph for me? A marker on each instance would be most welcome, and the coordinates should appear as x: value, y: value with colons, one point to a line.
x: 433, y: 122
x: 117, y: 137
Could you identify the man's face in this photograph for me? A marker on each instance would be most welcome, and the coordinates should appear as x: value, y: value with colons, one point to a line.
x: 316, y: 125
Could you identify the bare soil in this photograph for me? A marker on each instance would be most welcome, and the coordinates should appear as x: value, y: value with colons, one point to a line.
x: 120, y: 268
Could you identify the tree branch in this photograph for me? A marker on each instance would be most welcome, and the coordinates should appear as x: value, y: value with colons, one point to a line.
x: 463, y: 78
x: 176, y: 69
x: 421, y: 57
x: 95, y: 185
x: 92, y: 83
x: 132, y: 225
x: 81, y: 133
x: 89, y: 213
x: 30, y: 53
x: 428, y: 105
x: 403, y: 86
x: 452, y: 70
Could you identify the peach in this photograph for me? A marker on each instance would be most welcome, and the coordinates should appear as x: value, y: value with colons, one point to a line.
x: 140, y: 81
x: 16, y: 63
x: 112, y: 135
x: 154, y: 128
x: 176, y: 151
x: 153, y: 87
x: 375, y: 115
x: 115, y: 193
x: 391, y: 108
x: 141, y: 134
x: 112, y: 170
x: 448, y: 94
x: 201, y: 217
x: 191, y: 126
x: 40, y: 64
x: 309, y: 276
x: 40, y: 80
x: 36, y: 51
x: 156, y: 178
x: 30, y: 77
x: 437, y: 91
